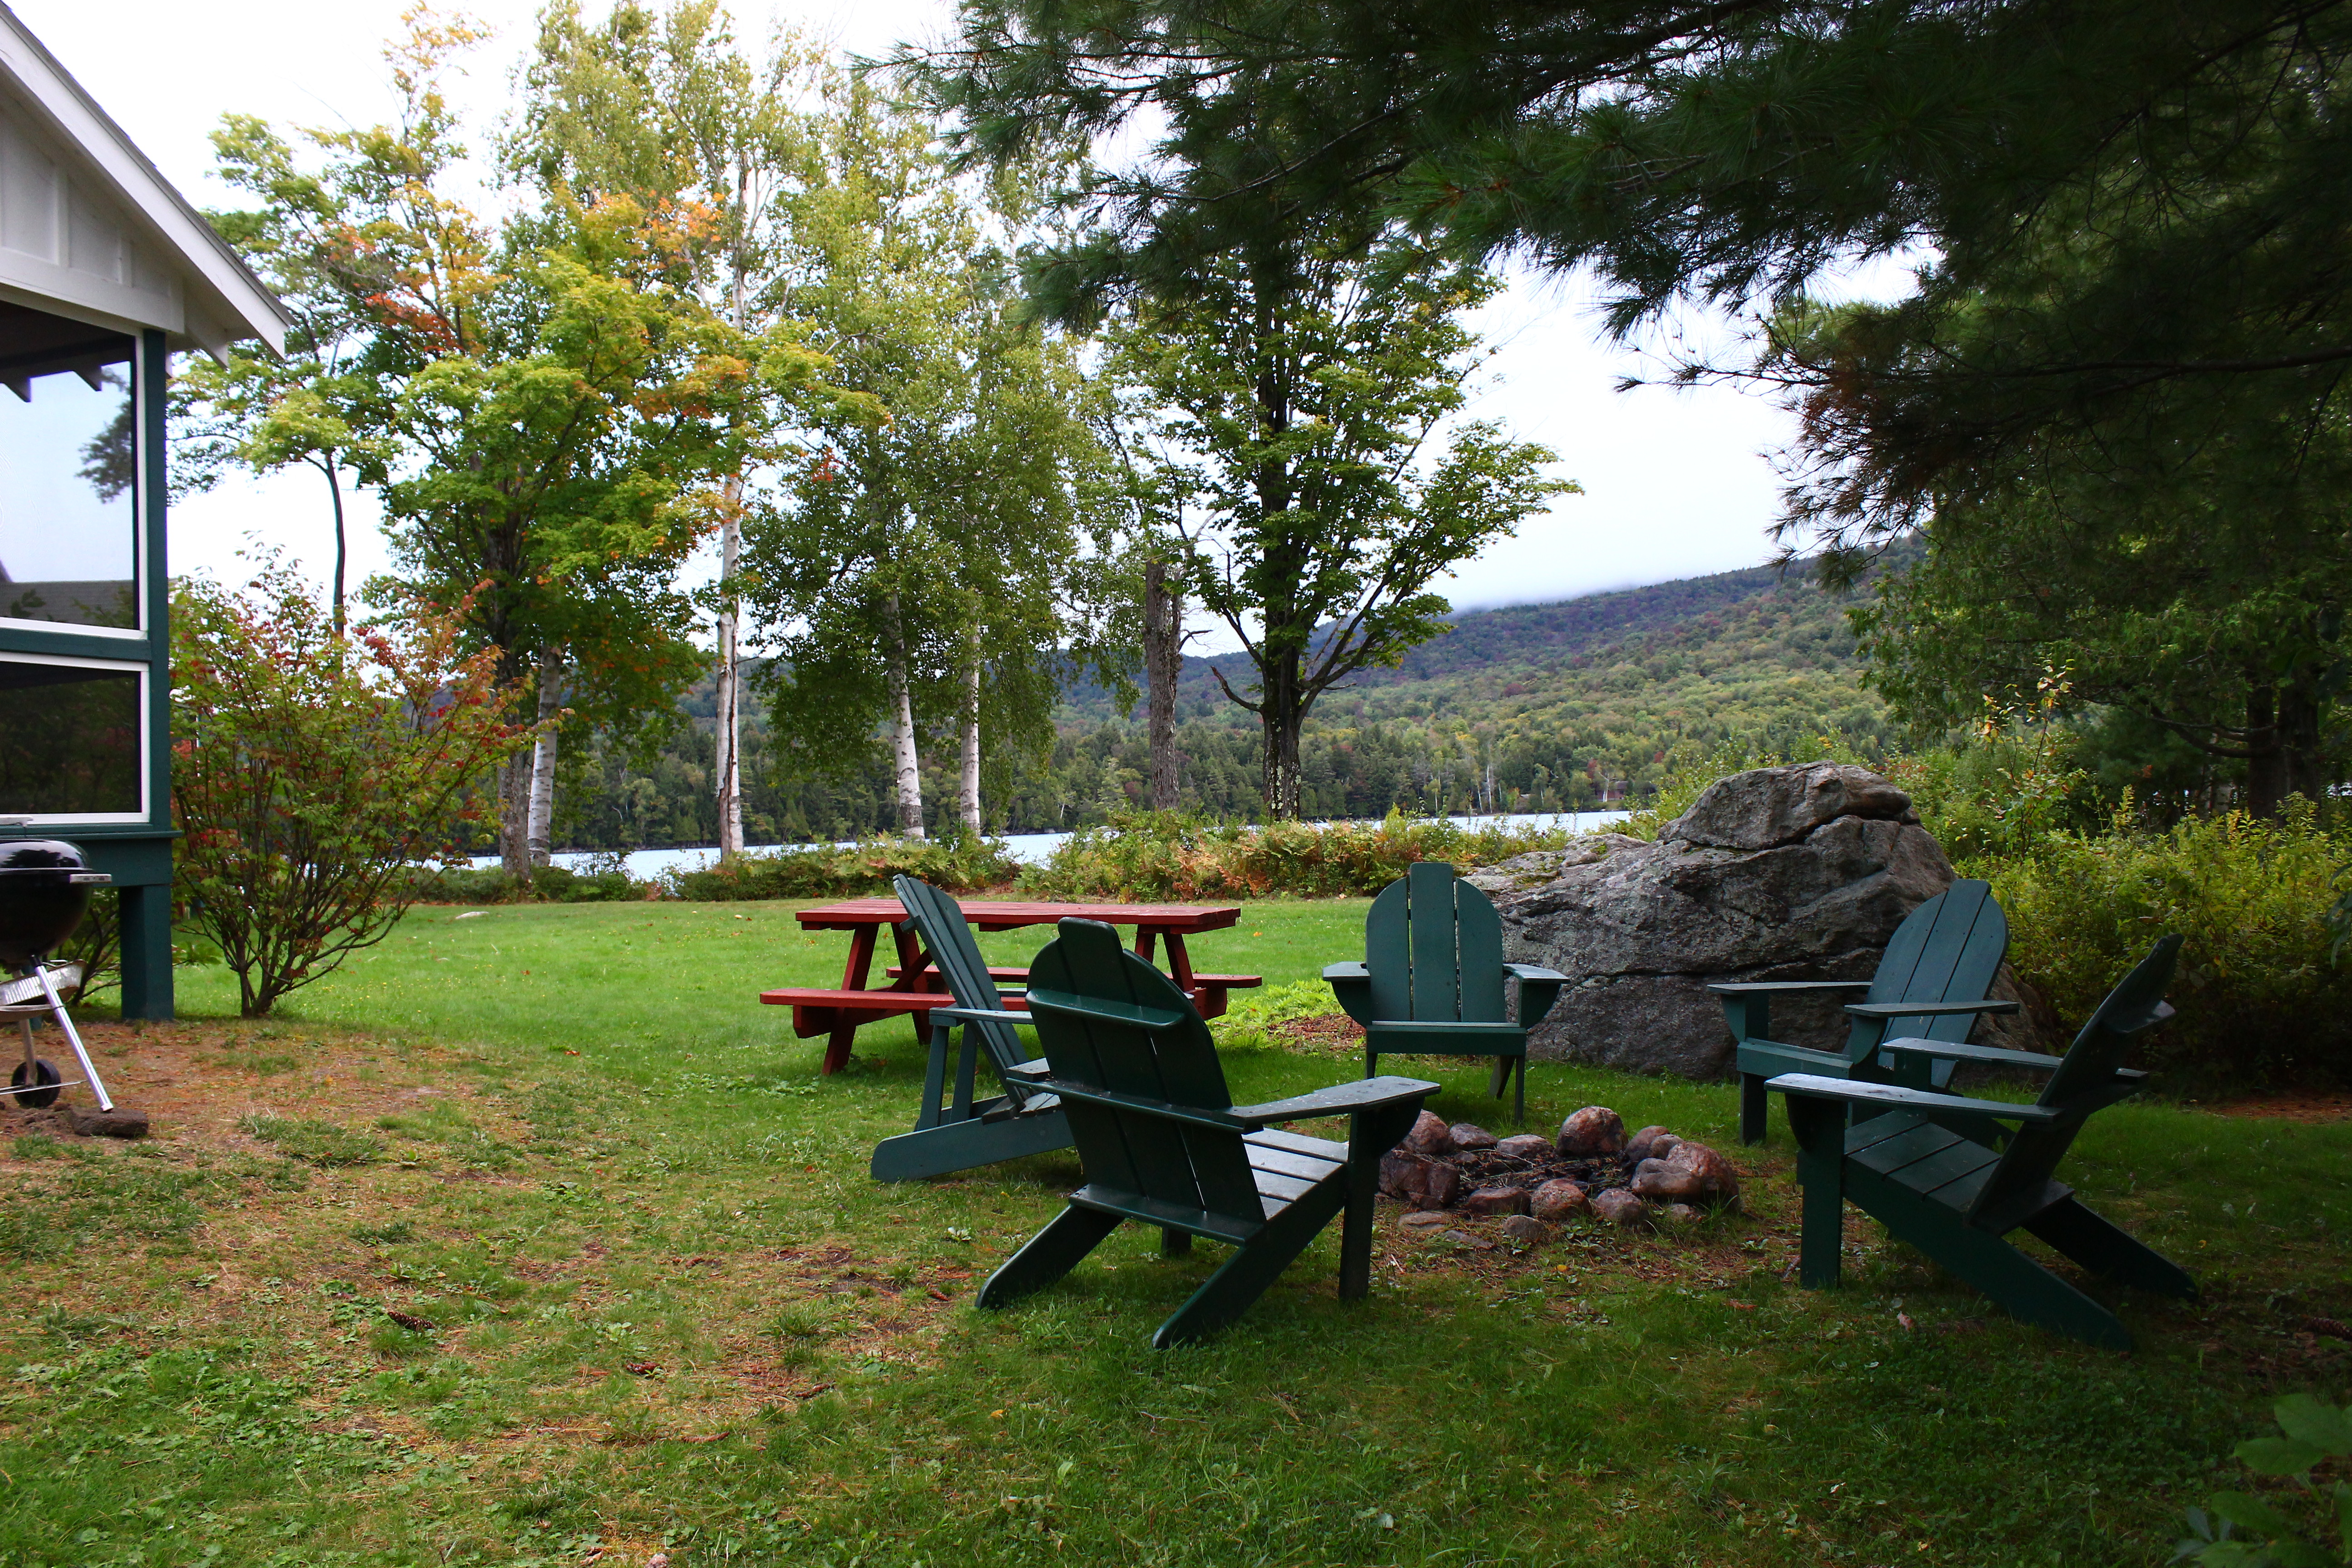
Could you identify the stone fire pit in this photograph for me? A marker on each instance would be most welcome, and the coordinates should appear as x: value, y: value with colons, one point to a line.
x: 1591, y: 1171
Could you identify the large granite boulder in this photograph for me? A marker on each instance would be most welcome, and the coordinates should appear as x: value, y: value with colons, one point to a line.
x: 1790, y: 873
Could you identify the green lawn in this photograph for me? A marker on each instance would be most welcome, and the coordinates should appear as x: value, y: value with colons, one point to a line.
x: 652, y: 1303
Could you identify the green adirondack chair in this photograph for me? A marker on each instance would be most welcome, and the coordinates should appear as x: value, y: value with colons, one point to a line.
x: 965, y: 1132
x: 1164, y: 1144
x: 1432, y: 979
x: 1930, y: 984
x: 1956, y: 1198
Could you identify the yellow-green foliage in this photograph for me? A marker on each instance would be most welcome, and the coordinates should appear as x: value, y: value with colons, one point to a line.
x: 1165, y: 855
x: 2259, y: 999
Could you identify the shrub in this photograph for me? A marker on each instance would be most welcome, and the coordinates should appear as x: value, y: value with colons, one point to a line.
x: 2258, y: 998
x: 829, y: 871
x: 1163, y: 855
x: 310, y: 767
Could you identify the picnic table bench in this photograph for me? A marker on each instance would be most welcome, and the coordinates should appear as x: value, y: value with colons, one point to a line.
x: 915, y: 986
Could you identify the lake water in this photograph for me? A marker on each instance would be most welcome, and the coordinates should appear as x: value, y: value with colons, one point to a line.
x: 1030, y: 848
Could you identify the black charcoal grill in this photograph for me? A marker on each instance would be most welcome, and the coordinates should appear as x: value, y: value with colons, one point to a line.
x: 45, y: 889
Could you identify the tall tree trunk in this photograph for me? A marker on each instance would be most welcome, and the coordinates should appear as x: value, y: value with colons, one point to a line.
x: 2283, y: 744
x: 907, y: 777
x: 729, y: 770
x: 514, y: 816
x: 968, y: 803
x: 335, y: 491
x: 1163, y: 663
x: 540, y: 830
x: 1281, y: 762
x: 729, y: 762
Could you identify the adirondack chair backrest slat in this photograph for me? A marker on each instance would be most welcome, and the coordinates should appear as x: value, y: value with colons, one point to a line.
x: 2077, y: 1087
x: 1196, y: 1167
x: 947, y: 937
x: 1434, y: 947
x: 1947, y: 950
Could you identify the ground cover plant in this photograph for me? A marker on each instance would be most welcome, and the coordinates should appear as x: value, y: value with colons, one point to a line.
x: 528, y: 1237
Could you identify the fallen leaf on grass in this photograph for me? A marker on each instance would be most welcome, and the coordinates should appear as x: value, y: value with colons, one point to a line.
x: 411, y: 1321
x: 642, y: 1368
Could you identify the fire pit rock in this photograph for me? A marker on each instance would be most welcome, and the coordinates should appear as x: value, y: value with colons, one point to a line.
x: 1593, y: 1130
x: 1477, y: 1175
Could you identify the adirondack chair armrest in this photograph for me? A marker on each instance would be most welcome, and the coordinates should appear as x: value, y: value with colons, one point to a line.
x: 983, y: 1016
x: 1894, y: 1097
x: 1769, y: 987
x: 1539, y: 989
x: 1991, y: 1056
x: 1351, y: 983
x: 1926, y: 1009
x: 1340, y: 1100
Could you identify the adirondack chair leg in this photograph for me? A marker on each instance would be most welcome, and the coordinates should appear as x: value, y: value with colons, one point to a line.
x: 967, y: 1060
x: 960, y: 1145
x: 935, y: 1071
x: 1050, y: 1254
x: 1227, y: 1294
x: 1754, y: 1106
x: 1820, y: 1169
x: 2023, y: 1288
x: 1368, y: 1138
x: 2096, y: 1243
x: 1175, y: 1243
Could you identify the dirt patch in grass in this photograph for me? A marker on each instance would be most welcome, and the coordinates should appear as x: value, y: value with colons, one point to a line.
x: 2314, y: 1105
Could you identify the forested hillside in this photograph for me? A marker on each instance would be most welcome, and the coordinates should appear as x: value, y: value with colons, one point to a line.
x: 1538, y: 707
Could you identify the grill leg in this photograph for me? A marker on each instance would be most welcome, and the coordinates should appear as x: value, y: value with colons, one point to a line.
x: 73, y: 1038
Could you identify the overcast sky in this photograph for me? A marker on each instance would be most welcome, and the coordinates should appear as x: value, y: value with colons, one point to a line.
x: 1676, y: 484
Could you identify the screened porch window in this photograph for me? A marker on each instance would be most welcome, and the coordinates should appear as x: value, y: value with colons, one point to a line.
x: 69, y: 472
x: 72, y: 739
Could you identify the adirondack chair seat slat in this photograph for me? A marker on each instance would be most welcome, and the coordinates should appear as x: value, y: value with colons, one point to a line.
x: 1163, y: 1142
x: 1760, y: 1055
x: 1919, y: 1169
x: 1931, y: 981
x: 1942, y: 1171
x: 1104, y: 1199
x: 1276, y: 1160
x: 1924, y: 1009
x: 1295, y: 1143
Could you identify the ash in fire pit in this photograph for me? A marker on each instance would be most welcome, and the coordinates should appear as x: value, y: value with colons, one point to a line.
x: 1592, y: 1168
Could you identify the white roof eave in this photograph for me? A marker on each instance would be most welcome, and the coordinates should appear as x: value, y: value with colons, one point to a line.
x: 222, y: 292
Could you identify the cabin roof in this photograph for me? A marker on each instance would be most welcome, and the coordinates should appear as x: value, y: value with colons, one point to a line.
x: 168, y: 269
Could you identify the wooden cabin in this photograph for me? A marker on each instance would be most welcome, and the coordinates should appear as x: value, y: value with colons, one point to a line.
x: 105, y: 273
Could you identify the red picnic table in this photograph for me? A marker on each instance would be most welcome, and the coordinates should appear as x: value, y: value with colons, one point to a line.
x: 916, y: 987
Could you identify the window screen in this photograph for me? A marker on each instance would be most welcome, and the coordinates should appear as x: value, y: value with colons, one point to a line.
x: 72, y: 740
x: 69, y: 472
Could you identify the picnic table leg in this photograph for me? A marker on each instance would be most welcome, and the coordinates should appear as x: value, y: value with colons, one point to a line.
x: 853, y: 978
x: 912, y: 976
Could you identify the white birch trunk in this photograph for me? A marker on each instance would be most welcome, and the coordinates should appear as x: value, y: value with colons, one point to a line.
x: 971, y: 780
x: 906, y: 767
x: 730, y: 768
x: 541, y: 817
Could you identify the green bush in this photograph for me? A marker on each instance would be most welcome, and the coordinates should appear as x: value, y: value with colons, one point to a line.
x: 2260, y: 1000
x: 1168, y: 854
x: 825, y: 871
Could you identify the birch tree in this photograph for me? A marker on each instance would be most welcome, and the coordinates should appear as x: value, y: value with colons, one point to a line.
x: 667, y: 107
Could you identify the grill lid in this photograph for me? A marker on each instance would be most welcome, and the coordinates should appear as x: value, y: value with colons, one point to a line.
x: 46, y: 863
